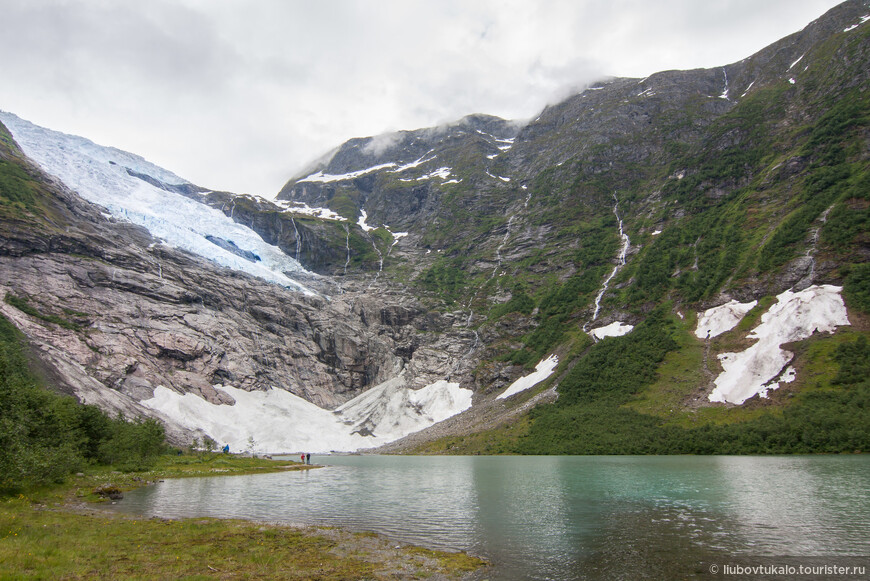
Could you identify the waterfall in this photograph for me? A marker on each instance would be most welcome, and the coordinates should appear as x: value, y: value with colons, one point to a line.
x: 502, y: 245
x: 380, y: 259
x: 724, y: 94
x: 347, y: 245
x: 811, y: 251
x: 298, y: 239
x: 620, y: 262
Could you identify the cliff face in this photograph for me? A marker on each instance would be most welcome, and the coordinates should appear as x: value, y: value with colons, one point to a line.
x: 113, y: 313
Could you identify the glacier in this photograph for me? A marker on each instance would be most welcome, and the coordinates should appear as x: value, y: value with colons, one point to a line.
x: 103, y: 175
x: 276, y: 420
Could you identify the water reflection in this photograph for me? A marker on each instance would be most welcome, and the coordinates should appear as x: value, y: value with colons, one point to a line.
x: 794, y: 502
x: 524, y: 518
x: 560, y: 517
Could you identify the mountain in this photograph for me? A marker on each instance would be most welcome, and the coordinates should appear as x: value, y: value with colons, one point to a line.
x: 141, y: 309
x: 669, y: 264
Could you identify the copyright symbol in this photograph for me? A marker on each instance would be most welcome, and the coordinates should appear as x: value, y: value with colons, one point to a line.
x: 714, y: 569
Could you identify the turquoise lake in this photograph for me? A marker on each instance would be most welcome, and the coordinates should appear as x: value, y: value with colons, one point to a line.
x: 561, y: 517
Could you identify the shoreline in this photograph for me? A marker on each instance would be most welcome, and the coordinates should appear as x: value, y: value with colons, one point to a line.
x: 69, y: 531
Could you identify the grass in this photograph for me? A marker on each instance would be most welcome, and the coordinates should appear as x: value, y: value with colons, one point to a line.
x: 57, y: 533
x: 678, y: 376
x: 500, y: 440
x: 681, y: 373
x: 23, y: 305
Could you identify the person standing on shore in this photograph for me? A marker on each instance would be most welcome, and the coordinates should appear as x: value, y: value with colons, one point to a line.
x: 308, y: 458
x: 303, y: 458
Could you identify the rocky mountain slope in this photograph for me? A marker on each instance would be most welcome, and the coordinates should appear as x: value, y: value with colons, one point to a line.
x: 113, y: 314
x: 647, y: 265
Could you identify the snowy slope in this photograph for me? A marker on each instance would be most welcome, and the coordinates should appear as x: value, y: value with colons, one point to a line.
x: 794, y: 317
x: 278, y: 421
x: 543, y: 370
x: 614, y: 329
x: 100, y: 175
x: 713, y: 322
x: 392, y: 410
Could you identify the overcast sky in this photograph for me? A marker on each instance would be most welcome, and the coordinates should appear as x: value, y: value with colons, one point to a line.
x: 240, y: 95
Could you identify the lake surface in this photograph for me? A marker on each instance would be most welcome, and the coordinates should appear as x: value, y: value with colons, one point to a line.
x: 561, y: 517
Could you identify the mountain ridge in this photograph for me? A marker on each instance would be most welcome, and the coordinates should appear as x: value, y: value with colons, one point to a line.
x: 474, y: 252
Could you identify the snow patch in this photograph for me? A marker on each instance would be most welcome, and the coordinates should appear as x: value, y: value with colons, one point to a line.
x: 854, y: 26
x: 321, y: 177
x: 543, y: 370
x: 794, y: 317
x: 303, y: 208
x: 279, y: 421
x: 791, y: 66
x: 615, y: 329
x: 501, y: 144
x: 502, y: 178
x: 397, y: 236
x: 713, y: 322
x: 415, y: 163
x: 392, y: 410
x: 362, y: 222
x: 442, y: 173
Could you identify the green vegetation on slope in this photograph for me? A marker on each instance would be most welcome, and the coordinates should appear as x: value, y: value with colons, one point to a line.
x: 445, y: 278
x: 596, y: 415
x: 45, y: 436
x: 21, y: 196
x: 606, y: 406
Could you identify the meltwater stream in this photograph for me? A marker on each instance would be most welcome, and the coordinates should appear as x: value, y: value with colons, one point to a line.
x: 560, y: 517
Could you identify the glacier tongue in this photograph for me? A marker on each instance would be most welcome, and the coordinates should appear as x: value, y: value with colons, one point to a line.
x: 100, y: 175
x: 278, y: 421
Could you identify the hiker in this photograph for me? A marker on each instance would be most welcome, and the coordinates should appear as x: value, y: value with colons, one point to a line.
x: 227, y: 449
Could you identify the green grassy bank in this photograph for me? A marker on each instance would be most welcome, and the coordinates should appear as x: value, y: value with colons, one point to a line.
x: 60, y: 532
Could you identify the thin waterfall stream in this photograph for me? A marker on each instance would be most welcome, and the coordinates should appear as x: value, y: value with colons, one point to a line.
x: 347, y: 245
x: 620, y: 262
x: 298, y: 238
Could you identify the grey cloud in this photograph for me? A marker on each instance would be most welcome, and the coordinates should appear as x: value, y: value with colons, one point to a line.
x: 239, y: 95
